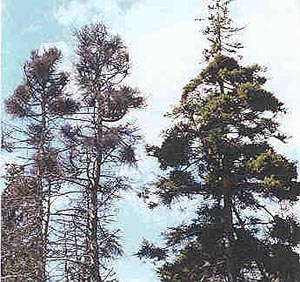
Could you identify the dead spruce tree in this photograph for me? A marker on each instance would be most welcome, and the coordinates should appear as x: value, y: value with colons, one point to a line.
x: 218, y: 151
x: 37, y: 108
x: 101, y: 140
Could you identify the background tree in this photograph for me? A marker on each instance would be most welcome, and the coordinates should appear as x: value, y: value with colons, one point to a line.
x: 101, y: 139
x: 37, y: 107
x: 219, y: 151
x: 20, y: 246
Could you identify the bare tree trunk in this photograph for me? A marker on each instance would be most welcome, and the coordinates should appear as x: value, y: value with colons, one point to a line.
x: 41, y: 153
x: 228, y: 240
x: 66, y: 267
x: 94, y: 247
x: 94, y: 250
x: 40, y: 275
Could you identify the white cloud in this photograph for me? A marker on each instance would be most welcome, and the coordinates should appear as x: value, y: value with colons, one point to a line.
x: 272, y: 38
x: 166, y: 48
x: 77, y: 13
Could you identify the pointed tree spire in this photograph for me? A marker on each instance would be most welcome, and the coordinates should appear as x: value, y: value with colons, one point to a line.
x: 220, y: 30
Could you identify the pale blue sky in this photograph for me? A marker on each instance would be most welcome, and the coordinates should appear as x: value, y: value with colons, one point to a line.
x: 166, y: 48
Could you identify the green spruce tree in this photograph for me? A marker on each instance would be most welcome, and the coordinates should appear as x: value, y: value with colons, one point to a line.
x: 219, y: 151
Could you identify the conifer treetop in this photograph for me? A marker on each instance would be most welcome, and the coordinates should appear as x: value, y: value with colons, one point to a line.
x: 220, y: 30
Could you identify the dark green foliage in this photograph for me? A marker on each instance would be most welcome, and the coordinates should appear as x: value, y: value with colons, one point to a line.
x: 150, y: 251
x: 219, y: 152
x: 174, y: 151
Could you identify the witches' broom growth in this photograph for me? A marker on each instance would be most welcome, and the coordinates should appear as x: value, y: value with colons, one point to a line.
x: 218, y: 151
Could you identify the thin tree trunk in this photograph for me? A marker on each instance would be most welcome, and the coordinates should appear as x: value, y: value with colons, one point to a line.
x: 66, y: 267
x: 42, y: 253
x: 95, y: 275
x: 41, y: 271
x: 228, y: 241
x: 94, y: 247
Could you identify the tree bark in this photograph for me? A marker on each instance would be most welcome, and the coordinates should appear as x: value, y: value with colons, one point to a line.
x: 43, y: 220
x: 94, y: 250
x: 94, y: 247
x: 228, y: 241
